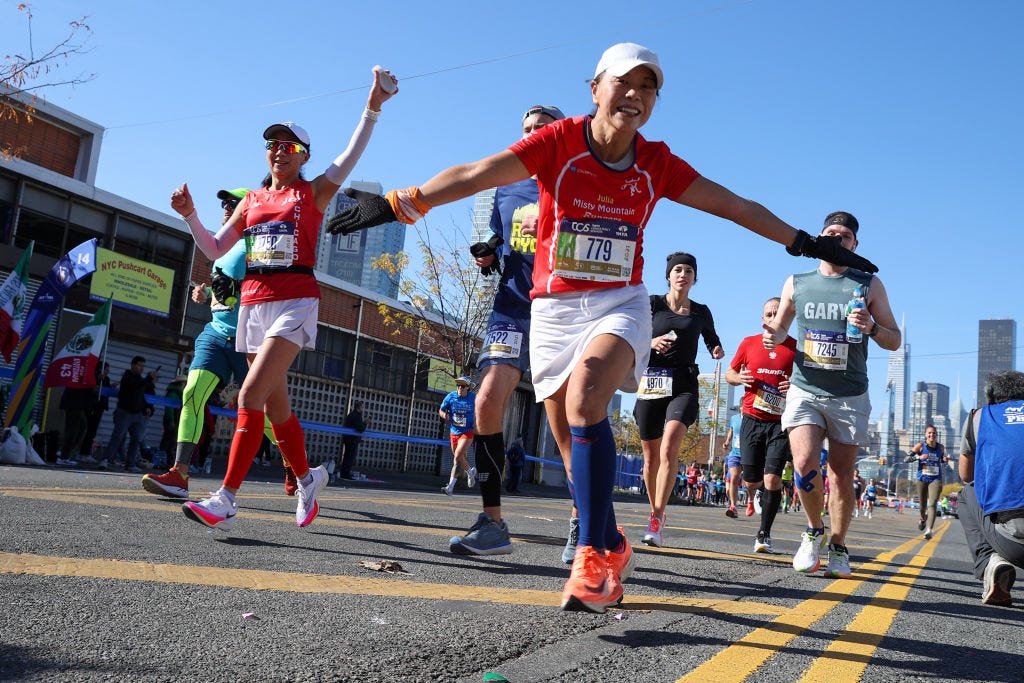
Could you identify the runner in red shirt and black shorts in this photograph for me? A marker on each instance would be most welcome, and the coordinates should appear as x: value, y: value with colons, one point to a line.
x: 764, y: 446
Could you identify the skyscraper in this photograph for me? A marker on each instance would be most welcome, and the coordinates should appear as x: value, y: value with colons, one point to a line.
x: 940, y: 398
x: 920, y: 412
x: 482, y: 204
x: 997, y: 341
x: 348, y: 257
x: 899, y: 376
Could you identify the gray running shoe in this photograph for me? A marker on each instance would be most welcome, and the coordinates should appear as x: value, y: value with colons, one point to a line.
x: 570, y: 544
x: 484, y: 538
x: 997, y: 581
x: 763, y: 544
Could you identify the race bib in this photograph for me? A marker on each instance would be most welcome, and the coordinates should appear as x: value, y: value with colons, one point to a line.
x: 735, y: 441
x: 768, y: 399
x: 503, y: 340
x: 270, y: 245
x: 930, y: 469
x: 656, y: 383
x: 825, y: 350
x: 459, y: 418
x: 598, y: 249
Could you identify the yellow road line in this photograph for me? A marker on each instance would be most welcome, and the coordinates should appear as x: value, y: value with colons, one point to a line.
x: 397, y: 586
x: 846, y: 658
x: 740, y: 660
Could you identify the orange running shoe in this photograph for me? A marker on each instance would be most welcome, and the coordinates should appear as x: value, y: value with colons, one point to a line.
x: 291, y: 484
x: 621, y: 560
x: 590, y: 588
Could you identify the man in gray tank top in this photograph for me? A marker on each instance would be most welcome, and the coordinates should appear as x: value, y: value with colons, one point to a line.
x: 828, y: 394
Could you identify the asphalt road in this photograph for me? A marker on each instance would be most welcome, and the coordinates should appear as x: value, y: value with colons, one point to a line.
x: 101, y: 581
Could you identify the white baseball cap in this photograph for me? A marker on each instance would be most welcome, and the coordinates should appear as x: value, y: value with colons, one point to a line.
x: 621, y: 58
x: 295, y: 129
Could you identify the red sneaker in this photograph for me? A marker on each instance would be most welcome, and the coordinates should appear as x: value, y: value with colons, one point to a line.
x: 750, y: 508
x: 170, y: 483
x: 291, y: 484
x: 731, y: 512
x: 590, y: 588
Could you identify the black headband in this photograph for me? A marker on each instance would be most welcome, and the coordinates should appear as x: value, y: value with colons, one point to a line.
x: 842, y: 218
x: 675, y: 259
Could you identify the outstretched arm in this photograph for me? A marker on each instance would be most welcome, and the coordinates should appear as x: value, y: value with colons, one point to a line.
x: 710, y: 197
x: 326, y: 184
x: 411, y: 204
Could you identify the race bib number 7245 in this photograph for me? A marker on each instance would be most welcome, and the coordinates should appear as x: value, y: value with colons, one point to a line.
x: 825, y: 350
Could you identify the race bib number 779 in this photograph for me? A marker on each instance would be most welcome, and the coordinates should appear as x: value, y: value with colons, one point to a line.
x: 596, y: 249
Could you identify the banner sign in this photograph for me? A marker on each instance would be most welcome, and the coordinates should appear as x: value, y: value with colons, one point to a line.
x: 439, y: 376
x: 132, y: 283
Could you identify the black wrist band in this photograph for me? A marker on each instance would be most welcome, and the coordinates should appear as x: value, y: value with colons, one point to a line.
x: 874, y: 330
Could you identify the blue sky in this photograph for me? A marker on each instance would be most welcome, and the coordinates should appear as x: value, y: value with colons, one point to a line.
x: 904, y: 113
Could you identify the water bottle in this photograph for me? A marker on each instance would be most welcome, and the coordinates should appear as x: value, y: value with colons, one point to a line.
x: 853, y: 333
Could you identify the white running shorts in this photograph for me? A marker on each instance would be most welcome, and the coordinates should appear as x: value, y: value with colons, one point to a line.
x: 564, y: 324
x: 291, y: 319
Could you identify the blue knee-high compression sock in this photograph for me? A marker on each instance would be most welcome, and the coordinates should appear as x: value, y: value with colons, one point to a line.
x: 593, y: 474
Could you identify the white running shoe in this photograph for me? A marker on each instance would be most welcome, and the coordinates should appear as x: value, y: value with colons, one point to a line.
x: 653, y: 535
x: 838, y: 562
x: 307, y: 508
x: 763, y: 544
x: 806, y: 558
x: 471, y: 477
x: 216, y: 512
x: 757, y: 501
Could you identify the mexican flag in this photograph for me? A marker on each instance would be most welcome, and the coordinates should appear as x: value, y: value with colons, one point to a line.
x: 75, y: 365
x: 12, y: 305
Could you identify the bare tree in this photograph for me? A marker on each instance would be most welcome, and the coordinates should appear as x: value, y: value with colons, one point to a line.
x: 24, y: 75
x: 449, y: 299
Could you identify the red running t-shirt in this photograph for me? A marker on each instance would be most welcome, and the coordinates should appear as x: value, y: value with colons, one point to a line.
x: 592, y: 218
x: 763, y: 400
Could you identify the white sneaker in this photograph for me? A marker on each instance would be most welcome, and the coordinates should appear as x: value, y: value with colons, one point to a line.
x: 307, y: 508
x: 757, y: 501
x: 927, y: 534
x: 997, y: 581
x: 763, y: 544
x: 471, y: 477
x: 806, y: 558
x: 838, y: 562
x: 653, y: 535
x: 449, y: 489
x: 216, y: 512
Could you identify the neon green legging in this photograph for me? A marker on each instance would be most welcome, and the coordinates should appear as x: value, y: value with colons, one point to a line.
x: 198, y: 390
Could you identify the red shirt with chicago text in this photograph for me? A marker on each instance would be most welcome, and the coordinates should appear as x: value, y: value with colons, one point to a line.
x: 281, y: 230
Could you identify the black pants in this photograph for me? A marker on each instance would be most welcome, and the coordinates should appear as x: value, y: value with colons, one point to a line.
x: 350, y: 449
